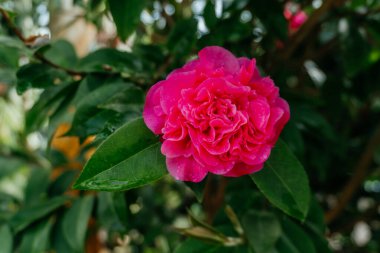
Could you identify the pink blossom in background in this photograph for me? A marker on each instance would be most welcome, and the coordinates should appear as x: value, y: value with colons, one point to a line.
x: 215, y: 114
x: 295, y: 16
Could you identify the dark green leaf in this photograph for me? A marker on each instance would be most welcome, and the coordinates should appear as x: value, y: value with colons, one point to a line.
x: 36, y: 239
x: 284, y: 182
x: 315, y: 218
x: 36, y: 75
x: 28, y: 215
x: 62, y: 183
x: 130, y: 99
x: 182, y: 37
x: 75, y: 222
x: 61, y: 53
x: 294, y: 239
x: 270, y: 13
x: 36, y: 187
x: 9, y: 57
x: 262, y: 230
x: 47, y: 104
x: 110, y: 60
x: 9, y: 165
x: 88, y: 118
x: 6, y: 239
x: 128, y: 158
x: 112, y: 210
x: 209, y: 15
x: 126, y: 15
x: 193, y: 245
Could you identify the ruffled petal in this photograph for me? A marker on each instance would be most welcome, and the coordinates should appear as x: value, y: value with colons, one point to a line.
x: 215, y: 57
x: 153, y: 115
x: 186, y: 169
x: 241, y: 169
x: 173, y: 149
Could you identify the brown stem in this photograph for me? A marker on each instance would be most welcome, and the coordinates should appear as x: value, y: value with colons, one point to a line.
x: 37, y: 55
x: 213, y: 196
x: 358, y: 176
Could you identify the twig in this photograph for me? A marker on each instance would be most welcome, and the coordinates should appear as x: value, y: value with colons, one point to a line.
x: 213, y: 197
x: 37, y: 55
x: 360, y: 172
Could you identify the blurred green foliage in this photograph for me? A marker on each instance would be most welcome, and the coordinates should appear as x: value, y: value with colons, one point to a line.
x: 57, y: 106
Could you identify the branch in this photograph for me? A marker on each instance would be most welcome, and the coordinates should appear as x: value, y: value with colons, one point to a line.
x: 27, y: 41
x: 213, y: 196
x: 358, y: 176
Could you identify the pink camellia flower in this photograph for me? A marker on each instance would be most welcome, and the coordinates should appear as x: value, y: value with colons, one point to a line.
x: 216, y: 114
x: 295, y: 16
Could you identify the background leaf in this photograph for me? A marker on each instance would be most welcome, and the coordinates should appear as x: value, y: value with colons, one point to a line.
x: 75, y: 222
x: 126, y: 15
x: 284, y: 182
x: 6, y: 239
x: 262, y: 230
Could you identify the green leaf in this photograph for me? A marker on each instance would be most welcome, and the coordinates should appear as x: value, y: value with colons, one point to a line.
x: 6, y: 239
x: 28, y: 215
x: 284, y: 182
x: 62, y: 183
x: 36, y: 75
x: 36, y: 239
x: 88, y: 118
x: 37, y: 183
x: 294, y: 239
x: 9, y: 57
x: 128, y: 158
x: 182, y: 37
x: 47, y: 104
x: 126, y: 15
x: 262, y: 230
x: 110, y: 60
x: 75, y: 222
x: 130, y: 99
x: 61, y: 53
x: 315, y: 218
x: 209, y: 15
x: 270, y: 13
x: 60, y: 243
x: 193, y: 245
x: 112, y: 211
x: 196, y: 246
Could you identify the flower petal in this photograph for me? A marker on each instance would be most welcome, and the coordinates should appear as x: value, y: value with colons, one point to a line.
x: 217, y: 57
x: 186, y: 169
x: 152, y: 114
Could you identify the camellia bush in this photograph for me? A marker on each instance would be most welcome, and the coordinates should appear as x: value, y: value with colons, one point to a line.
x: 190, y: 126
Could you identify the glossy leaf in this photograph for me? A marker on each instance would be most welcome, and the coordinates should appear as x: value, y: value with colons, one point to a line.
x: 75, y: 222
x: 284, y: 182
x: 128, y: 158
x: 37, y: 75
x: 88, y: 118
x: 262, y: 230
x: 126, y: 15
